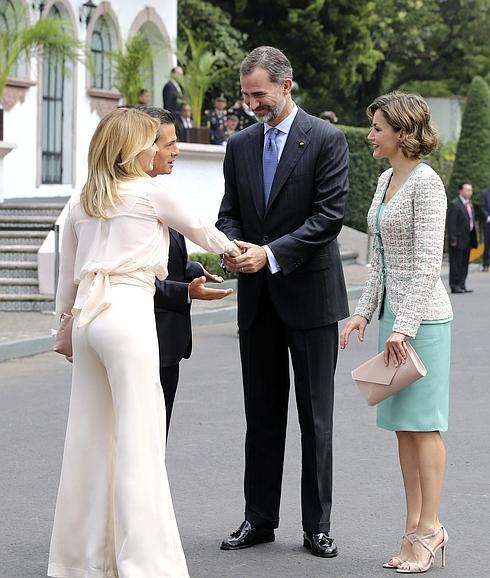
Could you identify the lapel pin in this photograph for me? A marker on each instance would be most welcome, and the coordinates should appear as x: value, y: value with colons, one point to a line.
x: 301, y: 143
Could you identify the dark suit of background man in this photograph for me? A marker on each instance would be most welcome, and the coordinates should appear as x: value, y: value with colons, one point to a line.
x: 172, y: 92
x: 485, y: 211
x: 461, y: 231
x: 183, y: 121
x: 291, y: 292
x: 185, y: 279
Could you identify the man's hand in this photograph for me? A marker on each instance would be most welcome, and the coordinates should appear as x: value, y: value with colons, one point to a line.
x: 252, y: 259
x: 210, y: 277
x: 198, y: 290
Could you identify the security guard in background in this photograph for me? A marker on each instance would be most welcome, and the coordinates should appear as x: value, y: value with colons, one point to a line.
x: 215, y: 120
x: 244, y: 113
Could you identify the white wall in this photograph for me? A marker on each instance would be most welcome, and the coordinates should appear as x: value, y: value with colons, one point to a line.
x: 197, y: 179
x: 447, y: 114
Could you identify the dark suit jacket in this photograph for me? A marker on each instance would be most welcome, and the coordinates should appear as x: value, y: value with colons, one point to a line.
x: 180, y: 129
x: 172, y: 309
x: 485, y: 204
x: 300, y: 224
x: 171, y: 97
x: 458, y: 226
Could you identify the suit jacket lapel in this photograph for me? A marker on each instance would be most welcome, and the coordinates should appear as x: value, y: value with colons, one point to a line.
x: 254, y: 153
x: 296, y: 144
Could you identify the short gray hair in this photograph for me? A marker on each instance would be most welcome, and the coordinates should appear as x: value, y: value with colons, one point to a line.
x: 270, y: 59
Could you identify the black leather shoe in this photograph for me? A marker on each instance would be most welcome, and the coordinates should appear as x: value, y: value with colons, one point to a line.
x: 247, y: 535
x: 467, y: 290
x: 457, y: 290
x: 320, y: 544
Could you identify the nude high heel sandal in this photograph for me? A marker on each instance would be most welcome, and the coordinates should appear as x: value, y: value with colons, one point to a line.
x: 395, y: 561
x: 417, y: 567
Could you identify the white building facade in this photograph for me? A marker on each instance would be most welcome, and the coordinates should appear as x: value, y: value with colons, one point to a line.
x: 50, y: 114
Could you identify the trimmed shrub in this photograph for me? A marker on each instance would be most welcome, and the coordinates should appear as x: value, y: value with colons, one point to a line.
x: 363, y: 176
x: 473, y: 153
x: 211, y: 263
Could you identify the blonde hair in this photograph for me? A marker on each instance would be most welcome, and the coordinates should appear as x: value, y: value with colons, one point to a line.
x: 118, y: 139
x: 410, y: 113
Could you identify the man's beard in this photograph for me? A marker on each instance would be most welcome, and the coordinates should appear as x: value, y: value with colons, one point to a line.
x: 273, y: 113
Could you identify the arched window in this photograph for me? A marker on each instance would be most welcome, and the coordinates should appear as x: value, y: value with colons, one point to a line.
x: 9, y: 24
x: 53, y: 115
x: 101, y: 46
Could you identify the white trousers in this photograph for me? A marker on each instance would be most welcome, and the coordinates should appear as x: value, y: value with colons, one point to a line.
x: 114, y: 516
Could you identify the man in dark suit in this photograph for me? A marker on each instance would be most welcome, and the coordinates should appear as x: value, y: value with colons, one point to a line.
x: 185, y: 282
x: 286, y: 181
x: 461, y: 230
x: 485, y: 211
x: 183, y: 121
x: 172, y: 92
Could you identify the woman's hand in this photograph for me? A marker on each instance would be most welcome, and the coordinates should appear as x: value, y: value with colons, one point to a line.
x: 395, y: 349
x: 355, y: 322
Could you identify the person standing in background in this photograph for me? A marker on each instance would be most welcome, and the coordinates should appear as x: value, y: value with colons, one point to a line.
x: 461, y: 231
x: 485, y: 210
x: 183, y: 121
x: 215, y: 120
x: 172, y: 91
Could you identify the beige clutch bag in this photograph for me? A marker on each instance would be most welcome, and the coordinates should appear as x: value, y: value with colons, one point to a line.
x: 62, y: 340
x: 376, y: 381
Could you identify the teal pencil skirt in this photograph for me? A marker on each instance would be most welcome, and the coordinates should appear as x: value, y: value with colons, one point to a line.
x: 423, y: 405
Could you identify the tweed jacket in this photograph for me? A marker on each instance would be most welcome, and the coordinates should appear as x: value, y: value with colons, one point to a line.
x: 412, y: 232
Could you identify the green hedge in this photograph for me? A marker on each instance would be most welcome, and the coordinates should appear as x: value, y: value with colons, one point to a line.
x: 211, y: 263
x: 472, y: 161
x: 363, y: 176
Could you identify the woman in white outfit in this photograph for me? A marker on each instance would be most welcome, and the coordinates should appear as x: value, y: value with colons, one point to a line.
x: 114, y: 515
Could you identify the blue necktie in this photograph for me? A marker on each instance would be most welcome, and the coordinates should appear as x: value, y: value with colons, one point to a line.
x: 270, y: 161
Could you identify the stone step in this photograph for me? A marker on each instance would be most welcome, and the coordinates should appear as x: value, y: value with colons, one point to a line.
x: 15, y: 269
x: 19, y: 285
x: 31, y: 209
x: 22, y: 237
x: 19, y: 252
x: 29, y: 222
x: 38, y: 302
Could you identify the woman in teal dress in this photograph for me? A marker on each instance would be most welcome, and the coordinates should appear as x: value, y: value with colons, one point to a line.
x: 407, y: 219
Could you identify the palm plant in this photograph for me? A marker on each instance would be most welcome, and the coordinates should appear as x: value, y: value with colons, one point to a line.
x: 22, y: 39
x: 132, y: 67
x: 202, y: 68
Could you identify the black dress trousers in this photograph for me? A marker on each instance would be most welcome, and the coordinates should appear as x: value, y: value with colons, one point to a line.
x: 264, y: 349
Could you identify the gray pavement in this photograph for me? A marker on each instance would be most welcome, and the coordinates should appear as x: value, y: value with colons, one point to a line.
x: 205, y: 462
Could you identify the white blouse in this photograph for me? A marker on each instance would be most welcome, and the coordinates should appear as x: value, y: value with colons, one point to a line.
x: 133, y: 242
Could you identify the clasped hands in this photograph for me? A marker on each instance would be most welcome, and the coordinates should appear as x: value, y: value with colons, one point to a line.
x: 249, y: 258
x: 395, y: 346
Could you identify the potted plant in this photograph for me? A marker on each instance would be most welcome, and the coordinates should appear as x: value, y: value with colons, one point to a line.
x: 20, y: 39
x: 202, y: 67
x: 132, y: 67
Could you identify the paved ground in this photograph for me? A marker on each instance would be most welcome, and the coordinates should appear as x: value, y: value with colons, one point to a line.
x: 205, y: 462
